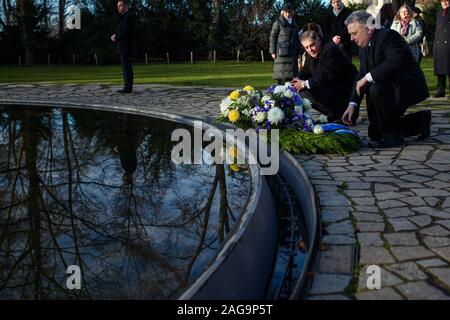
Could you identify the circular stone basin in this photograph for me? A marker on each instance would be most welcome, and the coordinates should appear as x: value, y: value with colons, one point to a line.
x: 98, y: 190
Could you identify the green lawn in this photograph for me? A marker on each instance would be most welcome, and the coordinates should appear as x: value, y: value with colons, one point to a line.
x: 219, y: 74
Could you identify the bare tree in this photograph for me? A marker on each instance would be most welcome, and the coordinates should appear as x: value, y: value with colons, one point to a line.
x: 61, y: 11
x: 214, y: 30
x: 25, y: 10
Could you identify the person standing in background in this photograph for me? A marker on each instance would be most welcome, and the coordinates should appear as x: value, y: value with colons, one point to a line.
x: 441, y: 48
x: 417, y: 15
x: 124, y: 40
x: 339, y: 34
x: 285, y: 46
x: 409, y: 29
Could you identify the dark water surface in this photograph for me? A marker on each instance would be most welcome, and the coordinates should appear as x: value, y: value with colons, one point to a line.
x: 98, y: 190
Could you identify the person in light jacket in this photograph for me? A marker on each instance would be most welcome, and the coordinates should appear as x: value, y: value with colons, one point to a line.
x: 409, y: 28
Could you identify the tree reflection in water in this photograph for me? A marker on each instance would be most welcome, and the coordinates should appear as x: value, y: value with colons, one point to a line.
x: 64, y: 201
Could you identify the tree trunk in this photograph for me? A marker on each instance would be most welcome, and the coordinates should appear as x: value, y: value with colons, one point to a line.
x: 215, y: 28
x: 25, y: 9
x: 61, y: 20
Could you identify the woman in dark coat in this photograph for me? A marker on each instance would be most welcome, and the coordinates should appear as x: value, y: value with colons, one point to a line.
x: 441, y: 49
x: 284, y: 46
x: 327, y: 76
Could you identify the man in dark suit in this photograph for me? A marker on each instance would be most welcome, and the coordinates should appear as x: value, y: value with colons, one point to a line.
x: 123, y: 39
x: 327, y: 76
x: 339, y: 34
x: 392, y: 81
x: 441, y: 48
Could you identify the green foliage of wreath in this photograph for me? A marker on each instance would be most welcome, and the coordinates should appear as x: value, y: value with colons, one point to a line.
x: 295, y: 141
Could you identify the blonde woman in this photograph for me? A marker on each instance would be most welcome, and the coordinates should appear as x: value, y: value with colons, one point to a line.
x: 409, y: 28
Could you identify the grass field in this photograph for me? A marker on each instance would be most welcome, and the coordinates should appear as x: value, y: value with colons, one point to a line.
x: 219, y: 74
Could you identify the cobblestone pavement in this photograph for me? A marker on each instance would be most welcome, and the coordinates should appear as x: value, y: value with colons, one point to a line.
x: 386, y: 207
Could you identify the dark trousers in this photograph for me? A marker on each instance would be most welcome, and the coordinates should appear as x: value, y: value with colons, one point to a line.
x: 127, y: 71
x: 442, y: 84
x: 386, y: 113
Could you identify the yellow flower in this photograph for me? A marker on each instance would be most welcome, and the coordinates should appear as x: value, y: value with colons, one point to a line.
x: 233, y: 116
x: 249, y: 88
x: 234, y: 95
x: 233, y: 152
x: 234, y: 167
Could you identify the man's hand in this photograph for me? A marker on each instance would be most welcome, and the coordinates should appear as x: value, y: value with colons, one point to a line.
x: 361, y: 85
x: 113, y: 38
x: 337, y: 39
x: 348, y: 115
x: 274, y: 56
x: 297, y: 84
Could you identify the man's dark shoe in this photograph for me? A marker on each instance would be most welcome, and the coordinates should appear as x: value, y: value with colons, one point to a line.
x: 389, y: 143
x: 426, y: 130
x: 124, y: 91
x: 439, y: 95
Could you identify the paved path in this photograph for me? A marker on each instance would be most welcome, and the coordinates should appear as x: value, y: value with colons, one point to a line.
x: 388, y: 207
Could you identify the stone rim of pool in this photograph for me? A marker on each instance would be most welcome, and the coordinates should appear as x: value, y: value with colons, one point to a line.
x: 257, y: 223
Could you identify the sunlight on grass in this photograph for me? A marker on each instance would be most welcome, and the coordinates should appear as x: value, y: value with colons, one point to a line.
x: 219, y: 74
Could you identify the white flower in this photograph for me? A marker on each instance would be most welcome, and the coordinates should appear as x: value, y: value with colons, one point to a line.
x: 246, y: 112
x: 265, y: 98
x: 298, y: 109
x: 288, y: 94
x: 323, y: 118
x: 275, y: 115
x: 224, y: 106
x: 271, y: 103
x: 306, y: 104
x: 318, y: 129
x: 260, y: 117
x: 255, y: 94
x: 309, y: 123
x: 287, y: 84
x: 242, y: 100
x: 279, y: 89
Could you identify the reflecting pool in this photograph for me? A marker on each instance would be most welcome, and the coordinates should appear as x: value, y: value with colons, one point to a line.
x: 98, y: 190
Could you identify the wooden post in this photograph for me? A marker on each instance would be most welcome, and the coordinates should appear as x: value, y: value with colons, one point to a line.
x: 96, y: 60
x: 167, y: 56
x: 192, y: 57
x: 48, y: 60
x: 146, y: 58
x: 215, y: 55
x: 73, y: 58
x: 262, y: 56
x: 238, y: 54
x: 20, y: 61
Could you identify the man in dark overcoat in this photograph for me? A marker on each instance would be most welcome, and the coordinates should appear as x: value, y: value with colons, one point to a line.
x: 327, y: 76
x: 339, y: 34
x: 441, y: 48
x: 391, y: 80
x: 124, y: 39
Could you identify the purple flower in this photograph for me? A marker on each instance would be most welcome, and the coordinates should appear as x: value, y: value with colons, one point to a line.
x: 297, y: 100
x: 285, y: 102
x: 271, y: 89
